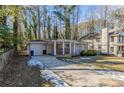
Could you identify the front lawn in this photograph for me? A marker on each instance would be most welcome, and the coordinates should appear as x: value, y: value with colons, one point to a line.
x: 113, y: 63
x: 110, y: 59
x: 99, y: 62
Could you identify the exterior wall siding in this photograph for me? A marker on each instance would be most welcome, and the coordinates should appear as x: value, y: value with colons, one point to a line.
x: 108, y: 43
x: 37, y: 48
x: 105, y: 41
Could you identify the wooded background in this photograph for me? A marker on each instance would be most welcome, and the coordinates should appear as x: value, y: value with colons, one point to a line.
x: 20, y: 24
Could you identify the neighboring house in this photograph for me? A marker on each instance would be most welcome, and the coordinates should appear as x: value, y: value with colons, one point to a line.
x: 108, y: 41
x: 91, y: 41
x: 54, y: 47
x: 117, y: 43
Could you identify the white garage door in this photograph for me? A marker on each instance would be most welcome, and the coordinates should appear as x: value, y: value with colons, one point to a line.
x: 37, y: 48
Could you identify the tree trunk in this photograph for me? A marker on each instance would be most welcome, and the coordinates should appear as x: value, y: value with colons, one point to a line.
x: 49, y: 27
x: 39, y: 23
x: 15, y: 32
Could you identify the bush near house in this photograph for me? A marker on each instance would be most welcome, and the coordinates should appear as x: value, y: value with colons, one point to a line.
x: 88, y: 53
x: 82, y: 53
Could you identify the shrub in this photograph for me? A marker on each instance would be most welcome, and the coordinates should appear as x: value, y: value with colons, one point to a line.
x: 82, y: 53
x: 88, y: 53
x: 91, y: 53
x: 5, y: 37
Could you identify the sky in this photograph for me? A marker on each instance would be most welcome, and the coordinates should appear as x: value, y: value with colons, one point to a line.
x: 96, y: 10
x: 84, y: 9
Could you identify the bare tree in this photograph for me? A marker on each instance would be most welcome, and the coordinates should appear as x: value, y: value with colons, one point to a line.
x: 65, y: 15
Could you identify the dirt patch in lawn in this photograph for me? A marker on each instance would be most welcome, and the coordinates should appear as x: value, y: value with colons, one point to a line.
x: 99, y: 62
x: 86, y: 78
x: 18, y: 74
x: 104, y: 71
x: 111, y: 82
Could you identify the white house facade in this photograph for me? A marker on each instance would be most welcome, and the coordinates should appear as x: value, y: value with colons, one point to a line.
x: 54, y: 47
x: 108, y: 41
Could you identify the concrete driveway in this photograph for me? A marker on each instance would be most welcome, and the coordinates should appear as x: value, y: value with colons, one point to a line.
x: 50, y: 61
x: 77, y: 75
x: 54, y: 64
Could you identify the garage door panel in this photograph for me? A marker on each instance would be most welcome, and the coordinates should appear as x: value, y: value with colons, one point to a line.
x: 37, y: 48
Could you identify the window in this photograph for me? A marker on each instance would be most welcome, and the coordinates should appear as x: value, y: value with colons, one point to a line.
x: 119, y: 48
x: 98, y: 40
x: 119, y: 39
x: 112, y: 49
x: 112, y: 39
x: 122, y: 48
x: 122, y: 39
x: 99, y: 47
x: 67, y: 45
